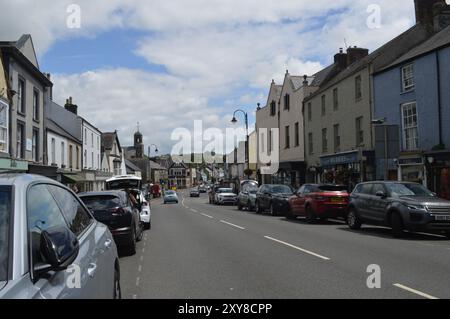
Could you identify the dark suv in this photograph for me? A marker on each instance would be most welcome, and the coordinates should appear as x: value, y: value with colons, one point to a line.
x: 399, y: 205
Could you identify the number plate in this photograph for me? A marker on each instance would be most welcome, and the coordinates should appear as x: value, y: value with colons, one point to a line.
x: 442, y: 218
x: 337, y: 200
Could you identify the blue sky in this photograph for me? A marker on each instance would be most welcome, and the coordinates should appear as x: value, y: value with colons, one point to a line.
x: 168, y: 63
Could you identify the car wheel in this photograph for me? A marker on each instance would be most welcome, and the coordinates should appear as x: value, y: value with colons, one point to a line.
x: 132, y: 245
x: 117, y: 289
x: 250, y: 207
x: 258, y: 208
x: 239, y: 206
x: 310, y: 215
x: 353, y: 220
x: 148, y: 226
x: 397, y: 225
x: 447, y: 234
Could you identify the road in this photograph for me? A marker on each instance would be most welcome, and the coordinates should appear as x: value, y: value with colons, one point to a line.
x: 196, y: 250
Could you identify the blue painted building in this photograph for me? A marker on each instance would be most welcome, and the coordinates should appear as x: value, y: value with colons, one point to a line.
x: 413, y: 94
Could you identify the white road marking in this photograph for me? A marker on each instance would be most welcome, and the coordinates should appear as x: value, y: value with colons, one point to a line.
x: 138, y: 279
x: 233, y: 225
x: 140, y: 268
x: 298, y: 248
x: 194, y: 210
x: 143, y: 250
x: 213, y: 217
x: 142, y: 258
x: 135, y: 296
x: 414, y: 291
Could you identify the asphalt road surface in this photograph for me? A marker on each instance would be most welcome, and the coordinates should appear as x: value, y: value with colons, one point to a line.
x: 197, y: 250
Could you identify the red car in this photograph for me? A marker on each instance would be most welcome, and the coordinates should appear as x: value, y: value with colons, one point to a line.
x: 319, y: 201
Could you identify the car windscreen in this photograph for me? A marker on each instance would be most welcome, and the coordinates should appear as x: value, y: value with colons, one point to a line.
x: 399, y: 189
x: 332, y: 188
x: 253, y: 189
x: 170, y: 193
x: 5, y: 216
x: 225, y: 190
x: 101, y: 202
x: 124, y: 184
x: 281, y: 189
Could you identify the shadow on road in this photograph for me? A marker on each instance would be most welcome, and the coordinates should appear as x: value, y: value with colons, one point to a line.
x: 386, y: 233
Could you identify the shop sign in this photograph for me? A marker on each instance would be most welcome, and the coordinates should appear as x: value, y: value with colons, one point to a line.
x: 10, y: 164
x: 410, y: 161
x: 339, y: 159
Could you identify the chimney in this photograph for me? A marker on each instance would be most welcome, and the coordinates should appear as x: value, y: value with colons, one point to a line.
x: 424, y: 11
x: 70, y: 106
x: 305, y: 80
x: 441, y: 16
x: 50, y: 89
x: 355, y: 54
x: 341, y: 59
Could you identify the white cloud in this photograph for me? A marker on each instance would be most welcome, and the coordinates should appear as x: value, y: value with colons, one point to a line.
x: 212, y: 49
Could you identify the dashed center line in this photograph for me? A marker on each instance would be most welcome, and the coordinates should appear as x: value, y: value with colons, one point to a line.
x: 207, y: 216
x: 233, y: 225
x: 138, y: 279
x: 298, y: 248
x: 194, y: 210
x: 414, y: 291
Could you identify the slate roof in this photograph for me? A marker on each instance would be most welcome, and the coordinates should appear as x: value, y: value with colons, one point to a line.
x: 55, y: 128
x: 108, y: 140
x: 131, y: 166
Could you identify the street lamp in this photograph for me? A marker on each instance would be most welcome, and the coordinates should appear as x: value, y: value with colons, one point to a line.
x: 247, y: 155
x: 149, y: 158
x: 386, y: 146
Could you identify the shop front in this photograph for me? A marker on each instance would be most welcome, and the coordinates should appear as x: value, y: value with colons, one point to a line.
x: 438, y: 172
x: 349, y: 168
x: 290, y: 173
x: 7, y: 165
x: 411, y: 168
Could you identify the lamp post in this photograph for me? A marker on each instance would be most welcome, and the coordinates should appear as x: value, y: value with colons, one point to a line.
x: 247, y: 155
x: 149, y: 158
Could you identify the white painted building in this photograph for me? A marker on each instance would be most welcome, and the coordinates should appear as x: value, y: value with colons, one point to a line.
x: 91, y: 147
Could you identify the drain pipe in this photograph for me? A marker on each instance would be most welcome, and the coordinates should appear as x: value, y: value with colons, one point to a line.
x: 438, y: 74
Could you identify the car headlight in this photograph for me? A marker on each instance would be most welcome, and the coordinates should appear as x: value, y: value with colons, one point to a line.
x: 416, y: 207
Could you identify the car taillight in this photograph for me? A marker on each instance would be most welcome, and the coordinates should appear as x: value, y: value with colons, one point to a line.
x: 118, y: 211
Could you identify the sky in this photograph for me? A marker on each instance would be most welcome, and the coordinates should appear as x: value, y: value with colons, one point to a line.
x: 165, y: 64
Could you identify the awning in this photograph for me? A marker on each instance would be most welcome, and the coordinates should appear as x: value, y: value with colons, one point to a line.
x: 72, y: 178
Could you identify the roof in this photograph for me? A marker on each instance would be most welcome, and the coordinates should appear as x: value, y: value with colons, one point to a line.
x: 133, y: 167
x: 439, y: 40
x: 108, y: 140
x: 124, y: 177
x: 156, y: 166
x: 55, y: 128
x: 379, y: 58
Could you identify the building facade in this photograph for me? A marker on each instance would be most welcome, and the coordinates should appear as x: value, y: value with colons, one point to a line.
x: 112, y: 154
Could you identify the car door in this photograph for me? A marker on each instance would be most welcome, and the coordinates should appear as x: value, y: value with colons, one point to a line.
x: 362, y: 201
x: 95, y: 243
x: 378, y: 205
x: 296, y: 200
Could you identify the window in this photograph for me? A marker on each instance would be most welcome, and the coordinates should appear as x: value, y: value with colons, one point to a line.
x: 359, y: 131
x: 310, y: 143
x: 85, y: 136
x: 5, y: 226
x: 20, y: 146
x: 335, y: 99
x: 70, y: 156
x: 53, y: 151
x: 85, y: 163
x: 98, y: 143
x: 337, y: 138
x: 92, y: 160
x: 309, y: 112
x: 273, y: 108
x: 92, y: 140
x: 377, y: 188
x: 324, y: 105
x: 263, y: 142
x: 324, y: 140
x: 36, y: 105
x: 4, y: 126
x: 21, y: 96
x: 297, y: 134
x: 42, y: 214
x: 408, y: 77
x: 63, y: 151
x: 287, y: 102
x: 358, y: 88
x: 35, y: 146
x: 76, y: 216
x: 78, y: 158
x: 287, y: 137
x: 270, y: 141
x: 409, y: 127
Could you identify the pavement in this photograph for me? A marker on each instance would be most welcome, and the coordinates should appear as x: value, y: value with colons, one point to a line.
x: 200, y: 251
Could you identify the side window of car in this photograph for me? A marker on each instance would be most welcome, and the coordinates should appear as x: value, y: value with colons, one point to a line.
x: 43, y: 213
x: 366, y: 189
x: 77, y: 217
x: 358, y: 189
x: 378, y: 188
x: 301, y: 190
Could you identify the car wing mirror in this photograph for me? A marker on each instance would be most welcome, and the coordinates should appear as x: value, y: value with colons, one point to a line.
x: 59, y: 247
x: 381, y: 194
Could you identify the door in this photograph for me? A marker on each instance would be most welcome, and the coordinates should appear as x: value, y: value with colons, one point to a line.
x: 297, y: 200
x: 94, y: 244
x: 377, y: 209
x: 362, y: 198
x: 266, y: 197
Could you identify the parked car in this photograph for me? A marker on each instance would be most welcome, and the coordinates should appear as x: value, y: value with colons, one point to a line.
x: 401, y: 206
x: 273, y: 198
x: 45, y: 229
x: 146, y: 212
x: 213, y: 192
x: 247, y: 196
x: 225, y: 196
x: 116, y: 210
x: 194, y: 192
x: 170, y: 197
x: 319, y: 201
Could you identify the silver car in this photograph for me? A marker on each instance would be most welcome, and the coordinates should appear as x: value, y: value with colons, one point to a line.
x: 50, y: 245
x: 247, y: 196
